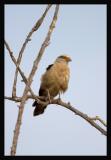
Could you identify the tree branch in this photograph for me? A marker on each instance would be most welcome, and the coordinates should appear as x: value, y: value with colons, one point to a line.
x: 19, y: 99
x: 35, y: 27
x: 81, y: 114
x: 68, y: 106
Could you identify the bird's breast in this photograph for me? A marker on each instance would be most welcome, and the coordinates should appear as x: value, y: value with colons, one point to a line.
x: 56, y: 79
x: 64, y: 79
x: 62, y: 76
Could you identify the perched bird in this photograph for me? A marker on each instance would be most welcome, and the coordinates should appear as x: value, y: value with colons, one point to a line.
x: 53, y: 82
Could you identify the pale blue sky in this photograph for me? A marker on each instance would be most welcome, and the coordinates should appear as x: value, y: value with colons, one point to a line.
x: 81, y: 33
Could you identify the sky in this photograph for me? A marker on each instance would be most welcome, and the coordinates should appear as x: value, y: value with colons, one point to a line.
x: 80, y: 32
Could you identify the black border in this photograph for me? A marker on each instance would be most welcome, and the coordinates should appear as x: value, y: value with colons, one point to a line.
x: 56, y: 2
x: 108, y: 79
x: 2, y: 70
x: 1, y: 81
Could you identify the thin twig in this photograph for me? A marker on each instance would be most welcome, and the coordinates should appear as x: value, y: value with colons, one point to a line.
x: 36, y: 26
x: 32, y: 73
x: 68, y: 106
x: 99, y: 119
x: 15, y: 99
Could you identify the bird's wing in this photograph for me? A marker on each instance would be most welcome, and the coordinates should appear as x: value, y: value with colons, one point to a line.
x: 42, y: 90
x: 49, y: 67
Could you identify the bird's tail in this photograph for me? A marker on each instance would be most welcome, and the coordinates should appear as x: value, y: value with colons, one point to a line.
x: 39, y: 109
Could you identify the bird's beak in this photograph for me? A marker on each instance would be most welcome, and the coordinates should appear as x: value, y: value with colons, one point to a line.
x: 69, y: 59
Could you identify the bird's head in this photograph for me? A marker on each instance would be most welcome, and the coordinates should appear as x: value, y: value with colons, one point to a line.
x: 65, y: 58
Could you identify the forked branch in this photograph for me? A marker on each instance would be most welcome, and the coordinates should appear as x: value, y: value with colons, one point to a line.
x: 30, y: 78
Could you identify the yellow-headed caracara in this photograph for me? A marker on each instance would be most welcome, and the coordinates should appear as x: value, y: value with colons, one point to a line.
x: 54, y: 81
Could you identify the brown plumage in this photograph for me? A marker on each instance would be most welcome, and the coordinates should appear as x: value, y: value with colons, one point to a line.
x: 54, y: 81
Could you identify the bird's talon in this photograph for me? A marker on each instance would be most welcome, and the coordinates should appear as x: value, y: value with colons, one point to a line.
x: 49, y: 98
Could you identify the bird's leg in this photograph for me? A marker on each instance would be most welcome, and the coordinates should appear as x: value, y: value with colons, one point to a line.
x: 48, y: 96
x: 59, y: 96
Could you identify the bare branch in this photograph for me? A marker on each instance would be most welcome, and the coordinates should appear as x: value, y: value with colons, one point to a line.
x: 24, y: 97
x: 83, y: 115
x: 15, y: 99
x: 36, y: 26
x: 68, y: 106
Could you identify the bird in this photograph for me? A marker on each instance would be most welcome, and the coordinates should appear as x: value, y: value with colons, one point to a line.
x: 53, y: 82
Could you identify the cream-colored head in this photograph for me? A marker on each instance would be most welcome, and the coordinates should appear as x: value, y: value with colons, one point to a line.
x: 64, y: 57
